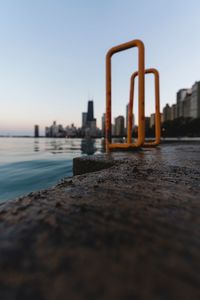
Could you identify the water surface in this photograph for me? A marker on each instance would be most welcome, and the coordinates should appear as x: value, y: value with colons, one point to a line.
x: 31, y: 164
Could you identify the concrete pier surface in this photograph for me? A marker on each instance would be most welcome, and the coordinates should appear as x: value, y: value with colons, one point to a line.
x: 130, y: 231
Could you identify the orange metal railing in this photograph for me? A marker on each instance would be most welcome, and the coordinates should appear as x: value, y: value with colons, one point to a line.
x: 141, y: 100
x: 141, y: 73
x: 157, y: 107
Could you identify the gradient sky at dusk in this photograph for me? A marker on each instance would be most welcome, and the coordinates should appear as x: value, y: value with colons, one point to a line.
x: 52, y: 56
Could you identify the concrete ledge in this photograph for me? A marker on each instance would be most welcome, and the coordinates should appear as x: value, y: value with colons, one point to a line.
x: 88, y: 164
x: 130, y: 231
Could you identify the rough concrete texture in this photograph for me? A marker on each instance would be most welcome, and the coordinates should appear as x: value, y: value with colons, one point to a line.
x: 92, y: 163
x: 128, y: 232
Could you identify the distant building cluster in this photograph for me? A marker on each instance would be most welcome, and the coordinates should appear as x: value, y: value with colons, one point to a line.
x: 88, y: 129
x: 59, y: 131
x: 119, y: 128
x: 150, y: 121
x: 187, y: 106
x: 89, y: 126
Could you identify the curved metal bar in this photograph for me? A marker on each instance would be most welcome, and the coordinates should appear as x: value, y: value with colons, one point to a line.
x: 139, y: 44
x: 157, y: 107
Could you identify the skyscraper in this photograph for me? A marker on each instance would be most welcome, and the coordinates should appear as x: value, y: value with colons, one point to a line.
x: 179, y: 100
x: 195, y: 101
x: 36, y: 131
x: 166, y: 113
x: 89, y: 127
x: 90, y: 112
x: 119, y: 126
x: 84, y: 119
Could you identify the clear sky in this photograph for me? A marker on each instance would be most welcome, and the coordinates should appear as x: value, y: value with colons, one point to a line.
x: 52, y: 56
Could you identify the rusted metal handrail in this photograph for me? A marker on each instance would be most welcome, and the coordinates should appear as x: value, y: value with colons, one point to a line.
x: 157, y: 108
x: 141, y: 74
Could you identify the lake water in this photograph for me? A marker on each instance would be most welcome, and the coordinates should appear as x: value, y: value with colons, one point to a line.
x: 31, y: 164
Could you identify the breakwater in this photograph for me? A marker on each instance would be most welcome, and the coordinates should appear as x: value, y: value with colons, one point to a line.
x: 109, y: 233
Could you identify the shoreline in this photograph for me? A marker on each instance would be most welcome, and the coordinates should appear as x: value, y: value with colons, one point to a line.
x: 163, y: 139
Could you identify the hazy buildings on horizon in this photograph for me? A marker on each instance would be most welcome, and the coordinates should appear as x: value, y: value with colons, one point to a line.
x: 119, y: 128
x: 88, y: 128
x: 55, y: 130
x: 72, y: 131
x: 187, y: 104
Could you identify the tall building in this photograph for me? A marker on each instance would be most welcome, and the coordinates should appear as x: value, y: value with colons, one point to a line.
x: 166, y: 113
x: 147, y: 123
x: 180, y: 96
x: 90, y: 112
x: 119, y: 126
x: 113, y: 129
x: 195, y: 101
x: 89, y: 127
x: 188, y: 102
x: 71, y: 131
x: 173, y: 113
x: 84, y: 119
x: 36, y: 131
x: 93, y: 128
x: 186, y: 105
x: 54, y: 129
x: 48, y: 131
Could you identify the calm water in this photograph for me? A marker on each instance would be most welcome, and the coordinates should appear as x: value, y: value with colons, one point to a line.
x: 28, y: 164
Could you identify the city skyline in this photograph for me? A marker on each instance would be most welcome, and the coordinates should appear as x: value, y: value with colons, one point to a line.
x: 88, y: 128
x: 187, y: 106
x: 49, y: 69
